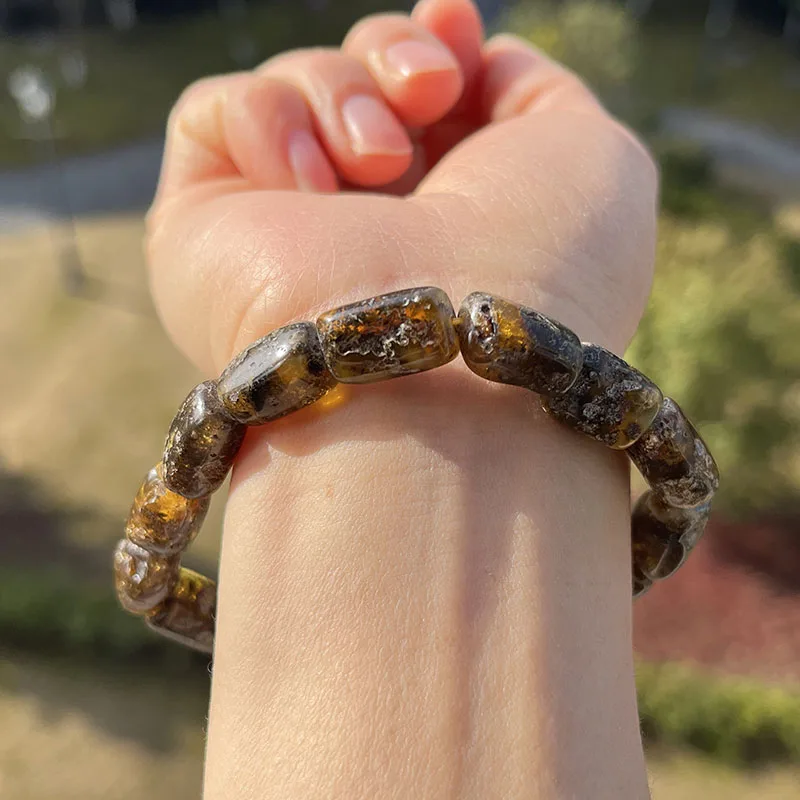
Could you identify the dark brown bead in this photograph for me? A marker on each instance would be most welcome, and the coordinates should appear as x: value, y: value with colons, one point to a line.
x: 142, y: 579
x: 202, y: 443
x: 278, y: 374
x: 163, y: 521
x: 389, y: 336
x: 610, y: 401
x: 653, y: 556
x: 674, y: 459
x: 187, y: 615
x: 508, y: 343
x: 663, y: 535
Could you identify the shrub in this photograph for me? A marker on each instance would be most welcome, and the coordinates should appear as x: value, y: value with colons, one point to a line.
x: 51, y: 612
x: 593, y: 37
x: 739, y: 721
x: 722, y: 333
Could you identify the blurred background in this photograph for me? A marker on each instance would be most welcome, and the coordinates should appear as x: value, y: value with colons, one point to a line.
x: 91, y: 704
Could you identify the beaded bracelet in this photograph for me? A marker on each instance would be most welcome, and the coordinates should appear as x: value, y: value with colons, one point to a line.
x: 583, y: 385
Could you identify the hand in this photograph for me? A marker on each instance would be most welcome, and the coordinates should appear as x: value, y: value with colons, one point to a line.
x: 511, y: 178
x: 425, y: 593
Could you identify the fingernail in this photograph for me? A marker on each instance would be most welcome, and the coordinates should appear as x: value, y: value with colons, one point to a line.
x: 372, y: 127
x: 310, y: 165
x: 411, y: 57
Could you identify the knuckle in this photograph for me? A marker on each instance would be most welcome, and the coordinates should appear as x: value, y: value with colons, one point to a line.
x: 192, y: 94
x: 508, y: 41
x: 373, y: 24
x: 305, y: 60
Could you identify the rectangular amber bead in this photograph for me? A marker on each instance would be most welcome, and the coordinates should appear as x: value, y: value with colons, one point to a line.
x: 610, y: 401
x: 509, y: 343
x: 188, y: 613
x: 280, y: 373
x: 161, y: 520
x: 142, y: 579
x: 663, y: 535
x: 201, y: 445
x: 388, y: 336
x: 674, y: 460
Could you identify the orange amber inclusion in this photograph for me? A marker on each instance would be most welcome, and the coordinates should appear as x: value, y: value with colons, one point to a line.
x: 163, y: 521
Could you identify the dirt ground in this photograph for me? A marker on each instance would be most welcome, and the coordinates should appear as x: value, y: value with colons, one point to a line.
x: 81, y: 734
x: 90, y: 382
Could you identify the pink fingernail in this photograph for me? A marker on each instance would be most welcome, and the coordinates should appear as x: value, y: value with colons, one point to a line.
x: 310, y: 165
x: 411, y: 57
x: 372, y: 127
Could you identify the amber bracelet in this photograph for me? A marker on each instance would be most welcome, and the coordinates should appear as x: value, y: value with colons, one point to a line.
x: 583, y: 385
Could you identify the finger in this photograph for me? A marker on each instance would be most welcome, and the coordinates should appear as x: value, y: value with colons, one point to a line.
x: 363, y: 137
x: 518, y: 78
x: 244, y: 127
x: 195, y: 149
x: 270, y: 132
x: 572, y: 190
x: 458, y: 25
x: 416, y: 73
x: 407, y: 183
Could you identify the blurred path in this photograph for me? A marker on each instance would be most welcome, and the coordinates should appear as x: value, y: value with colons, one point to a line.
x: 125, y: 179
x: 753, y: 158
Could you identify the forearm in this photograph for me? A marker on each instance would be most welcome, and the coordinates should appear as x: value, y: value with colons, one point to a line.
x: 425, y: 593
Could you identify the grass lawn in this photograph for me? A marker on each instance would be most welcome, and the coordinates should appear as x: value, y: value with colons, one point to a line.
x: 89, y: 389
x: 684, y: 776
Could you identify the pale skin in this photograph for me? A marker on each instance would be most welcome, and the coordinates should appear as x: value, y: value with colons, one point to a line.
x: 424, y: 591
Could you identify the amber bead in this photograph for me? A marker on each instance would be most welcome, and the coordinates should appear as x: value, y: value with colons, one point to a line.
x: 389, y: 336
x: 162, y: 521
x: 278, y: 374
x: 187, y: 615
x: 663, y: 535
x: 202, y: 443
x: 610, y: 401
x: 142, y: 579
x: 508, y: 343
x: 674, y: 460
x: 653, y: 556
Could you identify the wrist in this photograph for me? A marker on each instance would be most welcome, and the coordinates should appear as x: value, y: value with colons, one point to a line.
x: 431, y: 570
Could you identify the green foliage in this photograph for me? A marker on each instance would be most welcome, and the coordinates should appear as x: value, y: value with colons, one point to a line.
x: 722, y: 334
x: 742, y: 722
x: 51, y: 612
x: 594, y: 37
x: 134, y: 79
x: 686, y: 182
